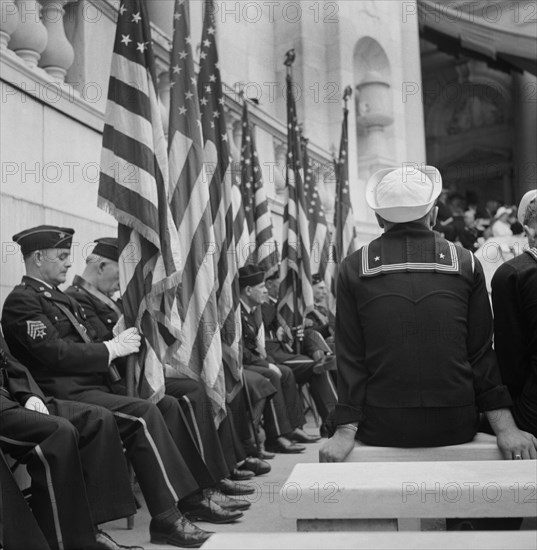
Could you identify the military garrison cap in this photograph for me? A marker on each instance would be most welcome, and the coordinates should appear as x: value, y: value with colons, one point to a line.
x: 43, y: 237
x: 106, y: 247
x: 251, y: 275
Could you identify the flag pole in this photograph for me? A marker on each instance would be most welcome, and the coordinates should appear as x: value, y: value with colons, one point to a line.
x: 289, y: 60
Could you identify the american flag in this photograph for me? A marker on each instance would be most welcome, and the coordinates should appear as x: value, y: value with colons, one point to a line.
x: 296, y: 293
x: 318, y: 226
x: 343, y: 216
x: 264, y: 251
x: 217, y: 161
x: 345, y: 231
x: 200, y: 355
x: 134, y: 189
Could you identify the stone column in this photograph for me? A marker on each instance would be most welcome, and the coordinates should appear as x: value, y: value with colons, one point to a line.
x: 161, y: 14
x: 58, y: 55
x: 374, y: 113
x: 280, y: 155
x: 30, y: 37
x: 9, y: 19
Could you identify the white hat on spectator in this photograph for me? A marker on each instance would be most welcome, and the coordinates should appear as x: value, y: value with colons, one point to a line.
x: 403, y: 194
x: 528, y: 198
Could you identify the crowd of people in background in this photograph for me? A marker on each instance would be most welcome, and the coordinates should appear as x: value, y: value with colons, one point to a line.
x: 469, y: 222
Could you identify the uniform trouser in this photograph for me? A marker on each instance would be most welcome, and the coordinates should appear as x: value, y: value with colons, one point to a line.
x: 79, y: 474
x: 160, y: 468
x: 18, y: 527
x: 241, y: 420
x: 321, y: 385
x: 283, y: 413
x: 230, y: 440
x: 197, y: 413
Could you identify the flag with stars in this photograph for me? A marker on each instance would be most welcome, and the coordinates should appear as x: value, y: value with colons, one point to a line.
x: 134, y: 189
x: 343, y: 215
x: 296, y: 292
x: 318, y: 226
x: 200, y: 354
x: 345, y: 231
x: 262, y: 246
x: 218, y: 165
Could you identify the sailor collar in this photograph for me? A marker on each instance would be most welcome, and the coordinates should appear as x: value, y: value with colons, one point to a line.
x: 409, y: 248
x: 532, y: 252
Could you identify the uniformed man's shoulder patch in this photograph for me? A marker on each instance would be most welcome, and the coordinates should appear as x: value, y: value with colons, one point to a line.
x: 36, y: 329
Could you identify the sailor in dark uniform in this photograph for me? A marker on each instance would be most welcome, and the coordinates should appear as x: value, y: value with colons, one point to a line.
x: 76, y: 462
x: 46, y: 330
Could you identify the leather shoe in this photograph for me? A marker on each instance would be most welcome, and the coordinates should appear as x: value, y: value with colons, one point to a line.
x: 177, y: 533
x: 283, y: 445
x: 255, y: 465
x: 241, y: 474
x: 300, y: 436
x: 234, y: 489
x: 264, y: 455
x: 227, y: 502
x: 103, y: 541
x: 206, y: 509
x: 327, y: 363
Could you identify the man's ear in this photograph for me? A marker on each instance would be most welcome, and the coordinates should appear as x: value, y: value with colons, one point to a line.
x: 102, y: 265
x: 38, y: 257
x: 530, y: 232
x: 380, y: 221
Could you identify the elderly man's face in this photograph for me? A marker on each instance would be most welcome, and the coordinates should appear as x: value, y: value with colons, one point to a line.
x: 53, y: 264
x: 257, y: 294
x: 108, y: 277
x: 319, y: 291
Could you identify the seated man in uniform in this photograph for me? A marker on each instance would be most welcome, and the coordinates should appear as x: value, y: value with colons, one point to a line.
x: 514, y: 299
x: 78, y: 470
x: 47, y: 330
x: 283, y: 418
x: 319, y: 318
x: 314, y: 362
x: 197, y: 438
x: 414, y: 332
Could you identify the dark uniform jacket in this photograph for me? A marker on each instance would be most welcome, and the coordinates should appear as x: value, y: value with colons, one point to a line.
x: 40, y: 334
x: 514, y: 298
x: 251, y: 323
x: 414, y: 330
x: 16, y: 382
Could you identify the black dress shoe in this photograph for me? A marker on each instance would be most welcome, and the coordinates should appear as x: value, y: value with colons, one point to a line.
x: 177, y: 533
x: 103, y: 541
x: 327, y: 363
x: 234, y: 489
x: 264, y: 455
x: 300, y: 436
x: 207, y: 510
x: 283, y: 445
x: 255, y: 465
x: 241, y: 474
x: 227, y: 502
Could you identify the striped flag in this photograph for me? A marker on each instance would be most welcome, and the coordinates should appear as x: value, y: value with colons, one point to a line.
x: 134, y: 189
x: 200, y: 355
x: 343, y: 216
x: 345, y: 231
x: 217, y: 162
x: 296, y: 293
x: 318, y: 226
x: 262, y: 245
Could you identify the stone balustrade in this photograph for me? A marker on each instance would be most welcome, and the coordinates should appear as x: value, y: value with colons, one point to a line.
x: 35, y: 32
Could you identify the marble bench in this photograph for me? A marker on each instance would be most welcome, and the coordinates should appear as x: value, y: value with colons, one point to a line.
x: 375, y: 495
x: 482, y: 447
x: 439, y: 540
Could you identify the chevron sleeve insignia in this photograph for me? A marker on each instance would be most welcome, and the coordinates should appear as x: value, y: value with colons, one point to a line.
x: 36, y: 329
